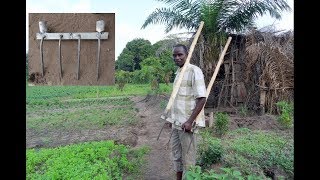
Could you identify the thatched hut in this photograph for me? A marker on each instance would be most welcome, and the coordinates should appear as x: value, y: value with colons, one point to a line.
x: 257, y: 71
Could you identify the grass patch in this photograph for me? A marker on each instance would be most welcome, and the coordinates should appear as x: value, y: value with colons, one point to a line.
x: 252, y: 152
x: 82, y: 119
x: 80, y: 114
x: 82, y: 107
x: 91, y: 160
x: 40, y: 94
x: 255, y: 152
x: 50, y: 105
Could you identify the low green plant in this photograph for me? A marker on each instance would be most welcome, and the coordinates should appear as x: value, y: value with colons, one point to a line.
x: 252, y: 152
x: 195, y: 172
x: 209, y: 150
x: 91, y: 160
x: 221, y: 123
x: 243, y: 111
x: 286, y: 113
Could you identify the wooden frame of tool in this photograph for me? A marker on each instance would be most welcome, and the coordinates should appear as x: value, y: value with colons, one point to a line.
x: 43, y: 35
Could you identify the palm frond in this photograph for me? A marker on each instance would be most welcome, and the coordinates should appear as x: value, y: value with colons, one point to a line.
x: 181, y: 14
x: 160, y: 15
x: 237, y: 15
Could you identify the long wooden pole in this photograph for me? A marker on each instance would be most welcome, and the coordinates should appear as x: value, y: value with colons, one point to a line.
x: 213, y: 78
x: 178, y: 83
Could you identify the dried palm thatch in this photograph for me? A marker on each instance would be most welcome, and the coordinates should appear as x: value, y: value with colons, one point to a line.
x: 260, y: 63
x: 269, y: 68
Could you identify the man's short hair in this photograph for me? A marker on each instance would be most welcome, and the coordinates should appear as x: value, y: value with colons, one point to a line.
x: 183, y: 46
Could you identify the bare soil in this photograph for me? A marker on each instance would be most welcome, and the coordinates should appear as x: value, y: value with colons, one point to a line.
x: 145, y: 132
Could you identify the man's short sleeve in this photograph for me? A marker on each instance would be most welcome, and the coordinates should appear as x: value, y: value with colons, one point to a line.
x: 198, y: 85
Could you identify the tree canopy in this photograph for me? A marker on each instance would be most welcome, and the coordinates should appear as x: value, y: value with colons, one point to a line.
x: 134, y: 52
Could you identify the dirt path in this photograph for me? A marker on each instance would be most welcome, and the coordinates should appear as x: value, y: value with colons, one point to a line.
x: 159, y: 159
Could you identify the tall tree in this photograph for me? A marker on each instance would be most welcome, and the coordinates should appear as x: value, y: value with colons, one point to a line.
x: 134, y: 52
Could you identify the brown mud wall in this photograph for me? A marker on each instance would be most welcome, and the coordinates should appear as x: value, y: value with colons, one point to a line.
x: 71, y: 23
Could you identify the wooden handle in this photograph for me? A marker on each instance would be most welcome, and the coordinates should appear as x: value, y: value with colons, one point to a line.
x: 213, y: 78
x: 178, y: 83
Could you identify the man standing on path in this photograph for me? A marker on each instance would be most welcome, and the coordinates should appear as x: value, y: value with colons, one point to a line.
x: 188, y: 103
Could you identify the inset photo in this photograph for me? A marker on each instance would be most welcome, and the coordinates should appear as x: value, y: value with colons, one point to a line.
x: 71, y: 49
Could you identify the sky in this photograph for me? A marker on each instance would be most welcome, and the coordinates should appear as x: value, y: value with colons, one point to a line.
x: 130, y: 16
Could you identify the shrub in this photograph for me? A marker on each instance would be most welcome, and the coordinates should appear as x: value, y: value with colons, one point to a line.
x: 221, y: 123
x: 122, y: 78
x: 286, y: 113
x: 243, y: 111
x: 210, y: 151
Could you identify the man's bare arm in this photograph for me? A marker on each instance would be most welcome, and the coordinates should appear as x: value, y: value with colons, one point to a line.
x: 199, y: 105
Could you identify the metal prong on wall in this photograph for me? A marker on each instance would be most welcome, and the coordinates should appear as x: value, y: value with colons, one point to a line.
x: 99, y: 28
x: 44, y: 35
x: 59, y: 55
x: 43, y: 30
x: 43, y: 27
x: 78, y: 71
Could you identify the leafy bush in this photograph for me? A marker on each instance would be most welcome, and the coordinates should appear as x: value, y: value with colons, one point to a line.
x: 210, y: 150
x: 122, y: 78
x: 243, y: 111
x: 286, y: 113
x: 221, y: 123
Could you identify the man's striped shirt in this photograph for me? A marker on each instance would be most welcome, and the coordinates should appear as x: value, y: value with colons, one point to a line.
x: 192, y: 87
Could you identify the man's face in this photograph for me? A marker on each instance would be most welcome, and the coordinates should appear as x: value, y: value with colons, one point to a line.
x: 179, y: 56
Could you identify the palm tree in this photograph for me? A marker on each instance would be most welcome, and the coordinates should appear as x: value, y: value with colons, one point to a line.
x: 220, y: 18
x: 218, y: 15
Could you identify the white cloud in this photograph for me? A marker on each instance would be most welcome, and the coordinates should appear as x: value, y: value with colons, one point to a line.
x: 286, y: 22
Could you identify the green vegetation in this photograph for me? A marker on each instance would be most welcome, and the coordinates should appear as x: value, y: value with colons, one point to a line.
x: 210, y: 150
x: 218, y: 16
x: 91, y: 160
x: 134, y: 52
x: 196, y: 172
x: 242, y: 153
x: 43, y: 94
x: 142, y: 63
x: 286, y: 113
x: 257, y: 151
x: 251, y: 152
x: 76, y: 108
x: 122, y: 78
x: 221, y: 123
x: 82, y: 107
x: 243, y: 111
